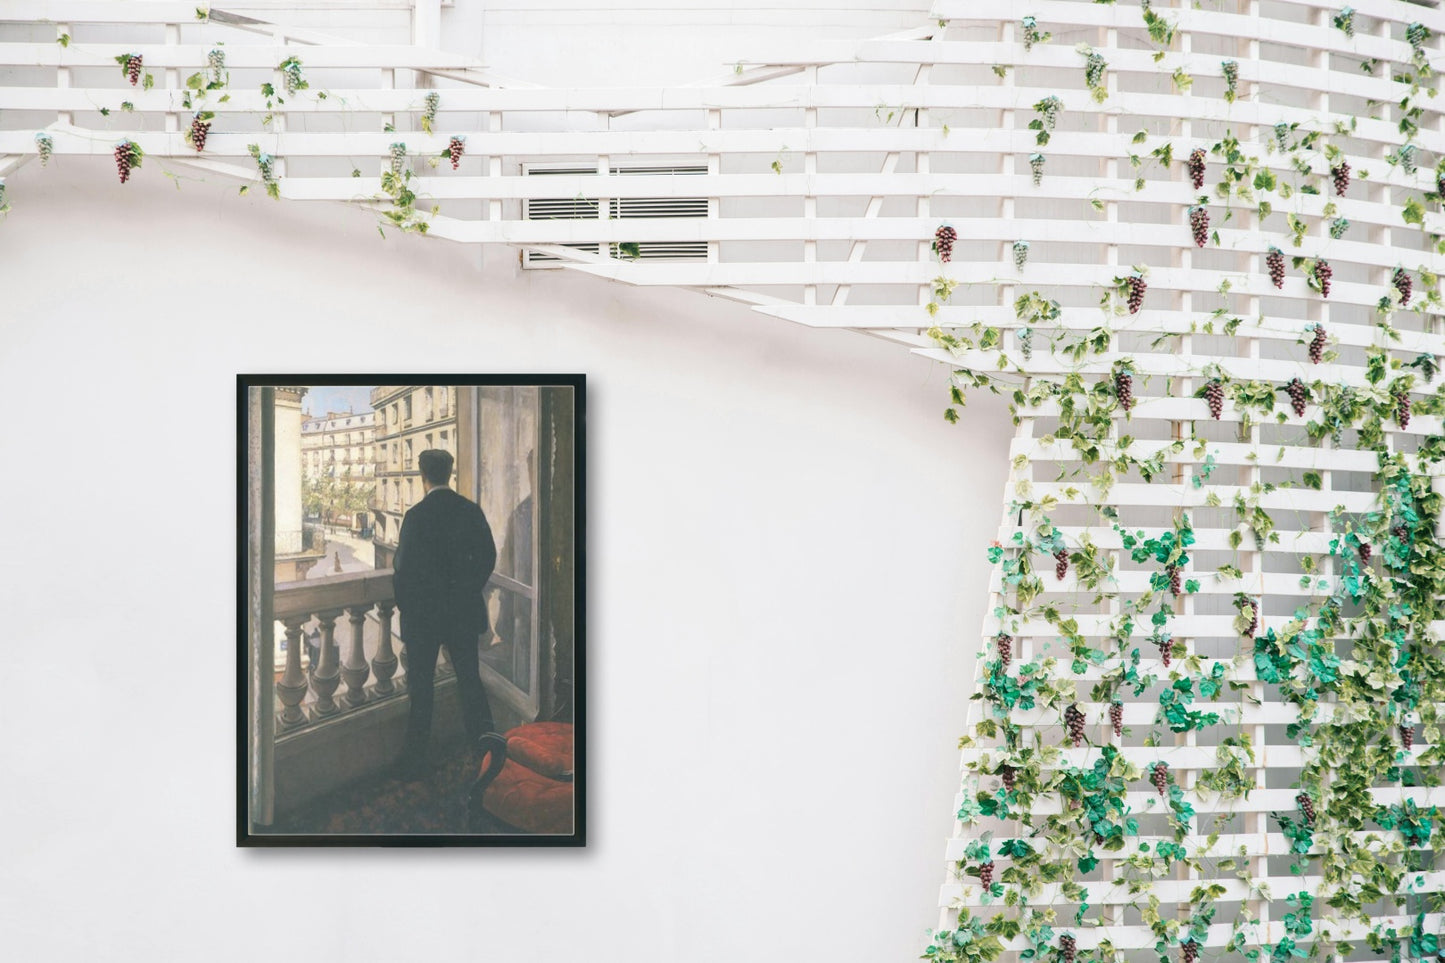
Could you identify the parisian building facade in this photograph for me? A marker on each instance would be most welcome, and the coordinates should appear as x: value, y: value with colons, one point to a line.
x: 409, y: 420
x: 340, y: 445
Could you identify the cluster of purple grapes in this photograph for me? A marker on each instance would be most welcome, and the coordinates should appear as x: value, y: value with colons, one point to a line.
x: 1074, y: 719
x: 1323, y: 273
x: 1298, y: 395
x: 985, y: 873
x: 124, y: 159
x: 1196, y: 167
x: 1159, y: 776
x: 1214, y: 394
x: 1340, y: 174
x: 1067, y: 948
x: 1366, y: 552
x: 1176, y: 581
x: 1061, y: 564
x: 1253, y: 617
x: 1402, y: 409
x: 1188, y: 951
x: 1403, y: 284
x: 943, y: 239
x: 1116, y: 718
x: 1005, y: 645
x: 1166, y: 651
x: 1407, y: 737
x: 1317, y: 345
x: 455, y: 149
x: 1199, y: 224
x: 133, y: 65
x: 1137, y: 287
x: 1400, y: 533
x: 199, y: 130
x: 1124, y: 388
x: 1306, y: 806
x: 1009, y: 776
x: 1274, y: 260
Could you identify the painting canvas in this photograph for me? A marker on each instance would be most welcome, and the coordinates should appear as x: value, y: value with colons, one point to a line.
x: 411, y: 610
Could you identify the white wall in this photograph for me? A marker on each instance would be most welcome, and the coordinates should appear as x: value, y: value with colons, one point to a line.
x: 786, y: 583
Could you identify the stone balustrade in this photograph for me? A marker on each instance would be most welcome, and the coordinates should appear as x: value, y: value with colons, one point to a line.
x: 308, y: 696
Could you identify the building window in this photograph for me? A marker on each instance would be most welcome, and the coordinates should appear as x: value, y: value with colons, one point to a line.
x: 406, y: 454
x: 426, y: 404
x: 445, y: 443
x: 406, y: 409
x: 443, y: 401
x: 508, y: 426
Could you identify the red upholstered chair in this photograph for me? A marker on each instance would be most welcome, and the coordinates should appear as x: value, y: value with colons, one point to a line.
x: 524, y: 782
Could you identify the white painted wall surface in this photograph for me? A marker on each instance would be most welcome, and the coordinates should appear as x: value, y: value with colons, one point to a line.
x: 786, y: 582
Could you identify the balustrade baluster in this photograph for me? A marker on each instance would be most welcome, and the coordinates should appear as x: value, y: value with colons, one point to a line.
x: 355, y: 671
x: 326, y: 677
x: 383, y: 664
x: 292, y: 687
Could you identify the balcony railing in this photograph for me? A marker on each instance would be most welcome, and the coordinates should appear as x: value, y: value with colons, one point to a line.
x: 339, y: 714
x: 308, y: 697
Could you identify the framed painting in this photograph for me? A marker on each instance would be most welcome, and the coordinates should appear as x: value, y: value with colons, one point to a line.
x: 411, y: 610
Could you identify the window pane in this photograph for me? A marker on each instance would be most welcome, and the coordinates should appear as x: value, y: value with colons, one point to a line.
x: 506, y: 481
x: 509, y: 651
x: 508, y: 429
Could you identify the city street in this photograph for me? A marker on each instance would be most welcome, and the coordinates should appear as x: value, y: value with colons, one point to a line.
x: 344, y: 553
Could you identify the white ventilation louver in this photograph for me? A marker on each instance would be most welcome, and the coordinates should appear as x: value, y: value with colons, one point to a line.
x: 621, y: 208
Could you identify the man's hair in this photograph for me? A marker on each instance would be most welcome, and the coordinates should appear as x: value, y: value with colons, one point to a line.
x: 436, y: 465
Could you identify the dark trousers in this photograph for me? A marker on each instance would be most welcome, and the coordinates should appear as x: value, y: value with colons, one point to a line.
x: 421, y: 664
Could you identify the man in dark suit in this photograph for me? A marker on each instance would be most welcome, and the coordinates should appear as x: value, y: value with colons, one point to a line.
x: 444, y: 557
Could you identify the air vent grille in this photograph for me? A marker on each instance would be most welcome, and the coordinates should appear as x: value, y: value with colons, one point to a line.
x: 622, y: 208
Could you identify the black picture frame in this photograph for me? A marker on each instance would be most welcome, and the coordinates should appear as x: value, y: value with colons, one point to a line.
x: 555, y: 590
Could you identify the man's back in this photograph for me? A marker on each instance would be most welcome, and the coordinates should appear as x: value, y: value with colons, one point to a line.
x: 444, y: 557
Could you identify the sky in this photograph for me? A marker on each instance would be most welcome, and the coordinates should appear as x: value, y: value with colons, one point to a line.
x: 320, y: 400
